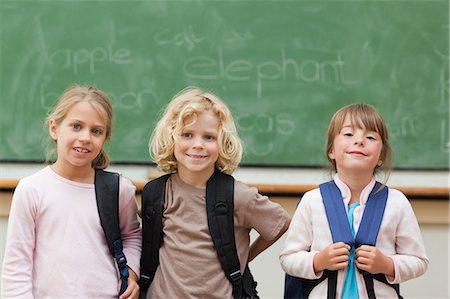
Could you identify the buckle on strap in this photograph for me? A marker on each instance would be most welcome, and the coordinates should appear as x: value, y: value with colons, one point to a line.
x: 121, y: 261
x: 236, y: 276
x: 144, y: 279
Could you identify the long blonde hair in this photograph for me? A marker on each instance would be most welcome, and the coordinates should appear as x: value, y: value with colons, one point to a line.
x: 190, y: 102
x: 76, y: 94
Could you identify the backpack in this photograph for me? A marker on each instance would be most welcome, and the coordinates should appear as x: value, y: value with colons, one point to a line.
x: 300, y: 288
x: 107, y: 196
x: 220, y: 212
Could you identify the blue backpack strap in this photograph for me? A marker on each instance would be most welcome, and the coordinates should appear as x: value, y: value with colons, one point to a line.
x: 153, y: 196
x: 300, y: 288
x: 336, y: 213
x: 373, y: 215
x: 107, y: 196
x: 368, y: 233
x: 340, y: 230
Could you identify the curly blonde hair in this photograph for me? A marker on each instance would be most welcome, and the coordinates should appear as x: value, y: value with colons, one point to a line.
x: 363, y: 116
x: 191, y: 102
x: 76, y: 94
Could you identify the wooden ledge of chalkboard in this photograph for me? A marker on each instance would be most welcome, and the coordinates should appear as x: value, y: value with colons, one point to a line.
x: 295, y: 190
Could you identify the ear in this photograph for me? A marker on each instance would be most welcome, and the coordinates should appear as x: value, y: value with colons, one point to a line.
x: 331, y: 154
x: 52, y: 129
x: 380, y: 162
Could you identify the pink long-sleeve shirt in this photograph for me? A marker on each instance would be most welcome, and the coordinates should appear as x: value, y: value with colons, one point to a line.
x: 399, y: 238
x: 56, y: 247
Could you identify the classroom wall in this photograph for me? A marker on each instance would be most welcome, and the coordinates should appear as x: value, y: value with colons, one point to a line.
x: 270, y: 276
x: 432, y: 214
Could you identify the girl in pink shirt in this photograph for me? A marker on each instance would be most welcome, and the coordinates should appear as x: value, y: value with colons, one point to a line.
x: 55, y: 246
x: 358, y: 148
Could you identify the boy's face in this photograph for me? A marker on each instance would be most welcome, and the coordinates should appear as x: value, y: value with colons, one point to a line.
x: 196, y: 149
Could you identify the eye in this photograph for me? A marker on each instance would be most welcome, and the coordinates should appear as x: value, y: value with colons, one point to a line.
x: 371, y: 137
x: 186, y: 135
x: 347, y: 134
x: 210, y: 138
x: 97, y: 131
x: 76, y: 126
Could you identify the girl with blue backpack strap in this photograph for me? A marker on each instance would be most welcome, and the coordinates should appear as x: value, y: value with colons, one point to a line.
x: 353, y: 237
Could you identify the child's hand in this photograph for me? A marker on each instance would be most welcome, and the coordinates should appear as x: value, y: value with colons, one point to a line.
x: 334, y: 257
x: 132, y: 291
x: 372, y: 260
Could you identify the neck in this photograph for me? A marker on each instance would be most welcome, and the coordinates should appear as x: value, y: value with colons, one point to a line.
x: 197, y: 180
x: 356, y: 182
x: 76, y: 174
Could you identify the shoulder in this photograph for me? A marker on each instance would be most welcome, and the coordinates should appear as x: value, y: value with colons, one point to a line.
x: 311, y: 197
x: 126, y: 188
x: 152, y: 183
x: 36, y: 180
x: 248, y: 198
x: 242, y: 190
x: 397, y: 198
x: 127, y: 184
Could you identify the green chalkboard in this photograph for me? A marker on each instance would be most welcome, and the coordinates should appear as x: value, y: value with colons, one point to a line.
x: 284, y: 67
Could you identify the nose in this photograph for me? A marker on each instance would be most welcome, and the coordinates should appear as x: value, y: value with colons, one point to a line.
x: 359, y: 140
x: 198, y: 142
x: 84, y: 136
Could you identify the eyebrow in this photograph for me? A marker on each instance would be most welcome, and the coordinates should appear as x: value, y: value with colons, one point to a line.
x: 83, y: 122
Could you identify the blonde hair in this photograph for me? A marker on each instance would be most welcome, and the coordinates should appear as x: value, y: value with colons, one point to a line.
x: 191, y: 102
x: 99, y: 101
x: 363, y: 116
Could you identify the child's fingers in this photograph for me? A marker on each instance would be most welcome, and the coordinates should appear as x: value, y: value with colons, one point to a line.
x: 365, y: 248
x: 364, y: 253
x: 341, y: 251
x: 339, y: 245
x: 339, y: 266
x: 132, y: 291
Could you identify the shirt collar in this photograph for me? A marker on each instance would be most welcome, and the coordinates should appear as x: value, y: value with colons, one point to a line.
x: 346, y: 194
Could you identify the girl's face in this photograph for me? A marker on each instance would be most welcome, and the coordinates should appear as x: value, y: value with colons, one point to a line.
x: 356, y: 150
x: 196, y: 149
x: 79, y: 137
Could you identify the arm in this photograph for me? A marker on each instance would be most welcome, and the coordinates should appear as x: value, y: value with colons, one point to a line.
x: 17, y: 279
x: 129, y: 226
x: 260, y: 244
x: 372, y: 260
x: 132, y: 291
x: 334, y: 257
x: 409, y: 259
x: 308, y: 235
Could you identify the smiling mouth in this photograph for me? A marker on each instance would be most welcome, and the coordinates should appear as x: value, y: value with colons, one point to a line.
x: 357, y: 153
x: 81, y: 150
x: 196, y: 156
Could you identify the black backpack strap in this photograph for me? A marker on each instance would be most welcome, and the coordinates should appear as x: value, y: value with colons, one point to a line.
x: 153, y: 196
x: 107, y: 196
x: 220, y: 214
x: 368, y: 280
